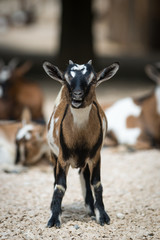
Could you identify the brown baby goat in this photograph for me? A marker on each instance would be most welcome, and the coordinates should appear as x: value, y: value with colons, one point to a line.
x: 22, y: 142
x: 76, y: 130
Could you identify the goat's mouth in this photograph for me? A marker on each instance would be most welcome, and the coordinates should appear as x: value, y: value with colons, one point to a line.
x: 76, y: 103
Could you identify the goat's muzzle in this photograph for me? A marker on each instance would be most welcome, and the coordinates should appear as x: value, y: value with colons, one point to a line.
x: 77, y: 99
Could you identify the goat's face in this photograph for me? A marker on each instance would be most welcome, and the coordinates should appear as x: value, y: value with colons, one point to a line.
x: 81, y: 80
x: 30, y: 141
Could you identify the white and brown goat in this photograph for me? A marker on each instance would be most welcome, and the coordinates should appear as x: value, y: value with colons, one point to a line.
x: 76, y: 130
x: 22, y: 142
x: 16, y: 92
x: 135, y: 122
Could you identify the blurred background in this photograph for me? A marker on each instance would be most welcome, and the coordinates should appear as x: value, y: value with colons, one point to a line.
x: 103, y: 30
x: 106, y: 31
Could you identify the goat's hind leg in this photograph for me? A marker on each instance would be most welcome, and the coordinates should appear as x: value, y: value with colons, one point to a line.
x: 53, y: 159
x: 101, y: 215
x: 59, y: 191
x: 86, y: 189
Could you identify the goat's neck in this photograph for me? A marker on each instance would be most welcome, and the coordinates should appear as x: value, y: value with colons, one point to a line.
x: 81, y: 115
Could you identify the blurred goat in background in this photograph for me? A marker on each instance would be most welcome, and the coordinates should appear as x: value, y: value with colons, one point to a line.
x: 31, y: 141
x: 22, y: 142
x: 16, y: 92
x: 135, y: 122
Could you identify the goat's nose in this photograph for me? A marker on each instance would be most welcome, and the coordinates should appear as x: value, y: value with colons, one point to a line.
x: 77, y: 94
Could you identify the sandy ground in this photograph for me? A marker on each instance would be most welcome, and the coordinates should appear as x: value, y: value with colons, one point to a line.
x: 131, y: 197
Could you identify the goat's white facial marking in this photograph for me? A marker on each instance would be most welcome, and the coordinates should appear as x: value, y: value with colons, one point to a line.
x: 82, y: 68
x: 73, y: 74
x: 117, y: 115
x: 24, y: 132
x: 78, y: 67
x: 81, y: 116
x: 1, y: 92
x: 157, y: 94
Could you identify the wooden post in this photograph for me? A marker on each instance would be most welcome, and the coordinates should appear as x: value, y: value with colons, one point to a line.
x: 76, y: 33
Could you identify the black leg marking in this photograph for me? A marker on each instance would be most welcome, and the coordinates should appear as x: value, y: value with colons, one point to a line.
x: 101, y: 215
x: 86, y: 189
x: 59, y: 191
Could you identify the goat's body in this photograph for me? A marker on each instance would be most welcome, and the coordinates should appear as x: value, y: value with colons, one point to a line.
x: 135, y: 122
x: 76, y: 131
x: 5, y: 109
x: 75, y: 134
x: 26, y: 94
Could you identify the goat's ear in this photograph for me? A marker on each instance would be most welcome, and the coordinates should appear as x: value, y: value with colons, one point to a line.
x: 13, y: 63
x: 153, y: 73
x: 107, y: 73
x: 53, y: 72
x: 23, y: 69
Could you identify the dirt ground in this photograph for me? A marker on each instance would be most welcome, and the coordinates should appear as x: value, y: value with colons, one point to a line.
x: 131, y: 192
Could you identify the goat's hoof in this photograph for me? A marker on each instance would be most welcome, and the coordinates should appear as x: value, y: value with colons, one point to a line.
x: 90, y: 211
x: 53, y: 222
x: 104, y: 219
x: 91, y: 214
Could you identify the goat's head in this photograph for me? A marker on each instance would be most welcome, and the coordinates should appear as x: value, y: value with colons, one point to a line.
x: 81, y: 80
x: 153, y: 72
x: 30, y: 141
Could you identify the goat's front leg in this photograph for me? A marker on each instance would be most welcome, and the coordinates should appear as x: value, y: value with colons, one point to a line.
x: 101, y: 215
x: 59, y: 191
